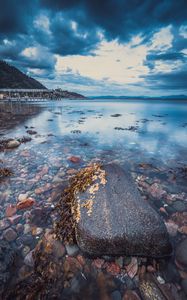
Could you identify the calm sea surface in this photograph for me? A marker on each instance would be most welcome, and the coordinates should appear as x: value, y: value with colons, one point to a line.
x: 96, y: 128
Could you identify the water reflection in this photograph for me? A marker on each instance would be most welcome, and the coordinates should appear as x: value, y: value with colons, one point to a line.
x: 157, y: 128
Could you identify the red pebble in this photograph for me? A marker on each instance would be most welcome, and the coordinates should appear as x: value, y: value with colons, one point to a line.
x: 74, y: 159
x: 113, y: 268
x: 26, y: 203
x: 10, y: 210
x: 98, y: 263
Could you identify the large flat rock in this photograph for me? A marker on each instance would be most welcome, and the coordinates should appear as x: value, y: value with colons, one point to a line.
x: 115, y: 220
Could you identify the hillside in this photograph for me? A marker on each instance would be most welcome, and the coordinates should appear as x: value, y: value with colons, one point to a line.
x: 68, y: 95
x: 12, y: 78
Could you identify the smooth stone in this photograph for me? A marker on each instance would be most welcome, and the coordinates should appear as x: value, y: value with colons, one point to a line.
x: 181, y: 253
x: 27, y: 228
x: 19, y: 228
x: 25, y: 239
x: 10, y: 210
x: 13, y: 144
x: 22, y: 197
x: 121, y: 222
x: 10, y: 235
x: 56, y: 179
x: 72, y: 250
x: 29, y: 260
x: 25, y: 251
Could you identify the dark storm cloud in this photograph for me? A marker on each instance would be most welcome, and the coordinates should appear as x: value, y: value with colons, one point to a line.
x: 68, y: 40
x: 75, y: 27
x: 122, y: 19
x: 175, y: 80
x: 16, y: 15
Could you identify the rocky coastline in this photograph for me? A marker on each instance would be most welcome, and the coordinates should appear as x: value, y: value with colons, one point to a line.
x: 37, y: 262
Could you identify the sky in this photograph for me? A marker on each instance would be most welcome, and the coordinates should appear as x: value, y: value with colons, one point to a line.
x: 94, y: 47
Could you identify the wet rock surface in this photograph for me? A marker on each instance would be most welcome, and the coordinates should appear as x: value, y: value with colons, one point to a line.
x: 120, y: 222
x: 181, y: 253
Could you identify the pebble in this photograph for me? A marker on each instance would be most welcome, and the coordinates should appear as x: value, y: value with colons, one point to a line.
x: 27, y: 228
x: 98, y: 263
x: 74, y: 159
x: 28, y: 260
x: 172, y: 228
x: 71, y: 171
x: 61, y: 174
x: 181, y: 253
x: 56, y: 179
x: 58, y: 249
x: 160, y: 279
x: 13, y: 144
x: 132, y: 268
x: 37, y: 230
x: 25, y: 250
x: 116, y: 295
x: 27, y: 203
x: 15, y: 219
x: 4, y: 224
x: 24, y: 272
x: 10, y: 210
x: 157, y: 191
x: 72, y: 250
x: 22, y: 197
x: 119, y: 261
x: 19, y: 228
x: 10, y: 235
x: 25, y: 239
x: 112, y: 268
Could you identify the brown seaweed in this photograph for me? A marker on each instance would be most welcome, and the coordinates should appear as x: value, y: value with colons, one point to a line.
x: 67, y: 207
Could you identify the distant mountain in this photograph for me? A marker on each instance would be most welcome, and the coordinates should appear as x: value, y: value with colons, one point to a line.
x: 12, y: 78
x: 170, y: 97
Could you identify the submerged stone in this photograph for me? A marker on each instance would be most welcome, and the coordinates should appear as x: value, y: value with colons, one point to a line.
x: 115, y: 220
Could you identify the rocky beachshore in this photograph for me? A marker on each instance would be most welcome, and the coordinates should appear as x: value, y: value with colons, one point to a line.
x: 130, y: 222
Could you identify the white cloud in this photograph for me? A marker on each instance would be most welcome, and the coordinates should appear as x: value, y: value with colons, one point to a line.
x: 30, y: 52
x: 162, y: 40
x: 42, y: 22
x: 183, y: 31
x: 74, y: 25
x: 117, y: 62
x: 120, y: 63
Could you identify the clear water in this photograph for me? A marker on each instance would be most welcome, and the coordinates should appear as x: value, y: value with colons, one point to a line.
x: 129, y: 132
x: 88, y: 129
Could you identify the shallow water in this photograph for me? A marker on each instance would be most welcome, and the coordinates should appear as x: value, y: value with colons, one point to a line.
x: 160, y: 128
x: 129, y: 132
